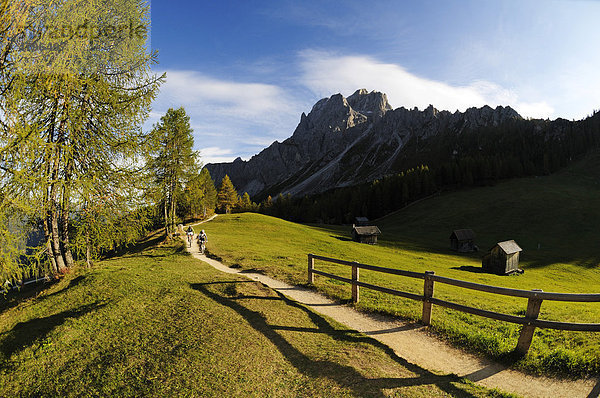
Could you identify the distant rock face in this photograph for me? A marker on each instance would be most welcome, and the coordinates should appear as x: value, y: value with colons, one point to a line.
x: 345, y: 141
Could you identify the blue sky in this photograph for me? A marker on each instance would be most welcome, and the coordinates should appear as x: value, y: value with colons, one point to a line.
x: 245, y: 70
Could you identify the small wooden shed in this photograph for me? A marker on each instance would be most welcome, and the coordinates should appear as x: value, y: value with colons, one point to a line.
x: 463, y: 240
x: 366, y: 234
x: 503, y: 259
x: 361, y: 221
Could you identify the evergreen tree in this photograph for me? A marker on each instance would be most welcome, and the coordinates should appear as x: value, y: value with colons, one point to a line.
x: 200, y: 196
x: 171, y: 161
x: 71, y: 117
x: 246, y: 203
x: 227, y: 196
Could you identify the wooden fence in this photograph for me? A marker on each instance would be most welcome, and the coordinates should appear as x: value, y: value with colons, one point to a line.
x: 8, y: 286
x: 530, y: 321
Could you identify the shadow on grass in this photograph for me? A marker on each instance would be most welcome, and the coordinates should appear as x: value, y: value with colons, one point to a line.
x: 26, y: 333
x: 342, y: 238
x: 15, y: 297
x: 138, y: 248
x: 587, y: 262
x: 343, y: 375
x: 72, y: 283
x: 212, y: 256
x: 250, y: 270
x: 470, y: 268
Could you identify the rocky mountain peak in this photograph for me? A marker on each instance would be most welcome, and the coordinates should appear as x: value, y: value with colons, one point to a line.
x: 489, y: 116
x: 371, y: 104
x: 333, y: 114
x: 345, y: 141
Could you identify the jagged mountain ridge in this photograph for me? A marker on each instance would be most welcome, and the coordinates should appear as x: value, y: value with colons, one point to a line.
x: 346, y: 141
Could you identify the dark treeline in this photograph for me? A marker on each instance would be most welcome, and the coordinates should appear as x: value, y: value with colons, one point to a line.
x: 479, y: 157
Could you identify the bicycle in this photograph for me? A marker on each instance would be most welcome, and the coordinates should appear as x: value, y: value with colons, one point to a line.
x: 190, y: 236
x: 202, y: 245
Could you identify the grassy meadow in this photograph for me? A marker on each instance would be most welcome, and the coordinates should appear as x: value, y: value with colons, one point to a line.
x: 156, y: 322
x: 553, y: 218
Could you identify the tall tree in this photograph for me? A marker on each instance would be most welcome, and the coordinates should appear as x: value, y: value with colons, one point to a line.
x: 72, y: 106
x: 200, y: 197
x: 246, y: 203
x: 172, y: 161
x: 227, y: 197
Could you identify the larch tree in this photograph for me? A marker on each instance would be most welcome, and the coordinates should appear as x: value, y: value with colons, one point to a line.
x: 227, y: 197
x: 246, y: 203
x: 72, y: 106
x: 200, y: 195
x: 172, y: 162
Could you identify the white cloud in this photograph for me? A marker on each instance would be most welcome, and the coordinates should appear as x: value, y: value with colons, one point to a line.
x: 216, y: 155
x: 326, y: 73
x: 228, y: 114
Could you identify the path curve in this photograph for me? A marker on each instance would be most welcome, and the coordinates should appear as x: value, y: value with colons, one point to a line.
x: 411, y: 342
x: 207, y: 220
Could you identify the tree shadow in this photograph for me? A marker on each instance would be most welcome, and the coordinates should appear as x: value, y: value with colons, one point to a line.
x: 72, y: 283
x: 595, y: 393
x: 250, y: 270
x: 470, y: 268
x: 23, y: 334
x: 212, y: 256
x: 137, y: 248
x: 343, y: 375
x: 587, y: 262
x: 15, y: 297
x: 342, y: 238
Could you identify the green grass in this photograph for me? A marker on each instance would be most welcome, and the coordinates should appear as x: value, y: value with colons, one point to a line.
x: 156, y: 322
x: 561, y: 213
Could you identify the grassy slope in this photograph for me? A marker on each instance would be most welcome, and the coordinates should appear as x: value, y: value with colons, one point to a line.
x: 560, y: 212
x: 160, y: 323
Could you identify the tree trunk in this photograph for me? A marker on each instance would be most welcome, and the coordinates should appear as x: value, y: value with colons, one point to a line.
x: 49, y: 249
x: 166, y: 218
x: 65, y: 217
x: 88, y: 248
x: 172, y: 208
x: 47, y: 194
x: 65, y: 231
x: 53, y: 206
x: 58, y: 256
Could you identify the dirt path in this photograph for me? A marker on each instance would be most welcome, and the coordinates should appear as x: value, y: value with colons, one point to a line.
x: 411, y: 342
x: 207, y: 220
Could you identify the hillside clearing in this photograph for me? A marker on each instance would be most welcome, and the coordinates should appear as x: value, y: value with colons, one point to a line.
x: 411, y: 342
x: 157, y: 322
x: 559, y: 212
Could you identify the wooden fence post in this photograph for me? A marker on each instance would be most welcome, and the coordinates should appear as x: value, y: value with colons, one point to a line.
x: 427, y: 294
x: 533, y: 310
x: 311, y: 266
x: 355, y: 291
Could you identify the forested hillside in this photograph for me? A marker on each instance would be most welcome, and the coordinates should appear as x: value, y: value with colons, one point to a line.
x: 447, y: 161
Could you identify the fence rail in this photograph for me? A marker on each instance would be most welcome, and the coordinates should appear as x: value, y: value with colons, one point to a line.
x: 8, y: 287
x: 529, y: 321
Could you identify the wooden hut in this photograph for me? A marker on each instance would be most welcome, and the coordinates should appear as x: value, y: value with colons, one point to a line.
x: 361, y: 221
x: 366, y: 234
x: 503, y: 259
x: 463, y: 240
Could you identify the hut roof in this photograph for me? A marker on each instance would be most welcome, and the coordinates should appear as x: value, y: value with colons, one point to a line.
x: 371, y: 230
x: 509, y: 246
x: 463, y: 234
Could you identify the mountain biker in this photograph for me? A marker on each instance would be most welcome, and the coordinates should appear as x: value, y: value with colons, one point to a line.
x: 202, y: 236
x: 190, y: 235
x: 202, y: 239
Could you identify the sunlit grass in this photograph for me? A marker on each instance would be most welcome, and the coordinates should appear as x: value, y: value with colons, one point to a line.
x: 159, y: 323
x: 553, y: 218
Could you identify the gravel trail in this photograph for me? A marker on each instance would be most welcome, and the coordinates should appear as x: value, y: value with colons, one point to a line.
x: 411, y: 342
